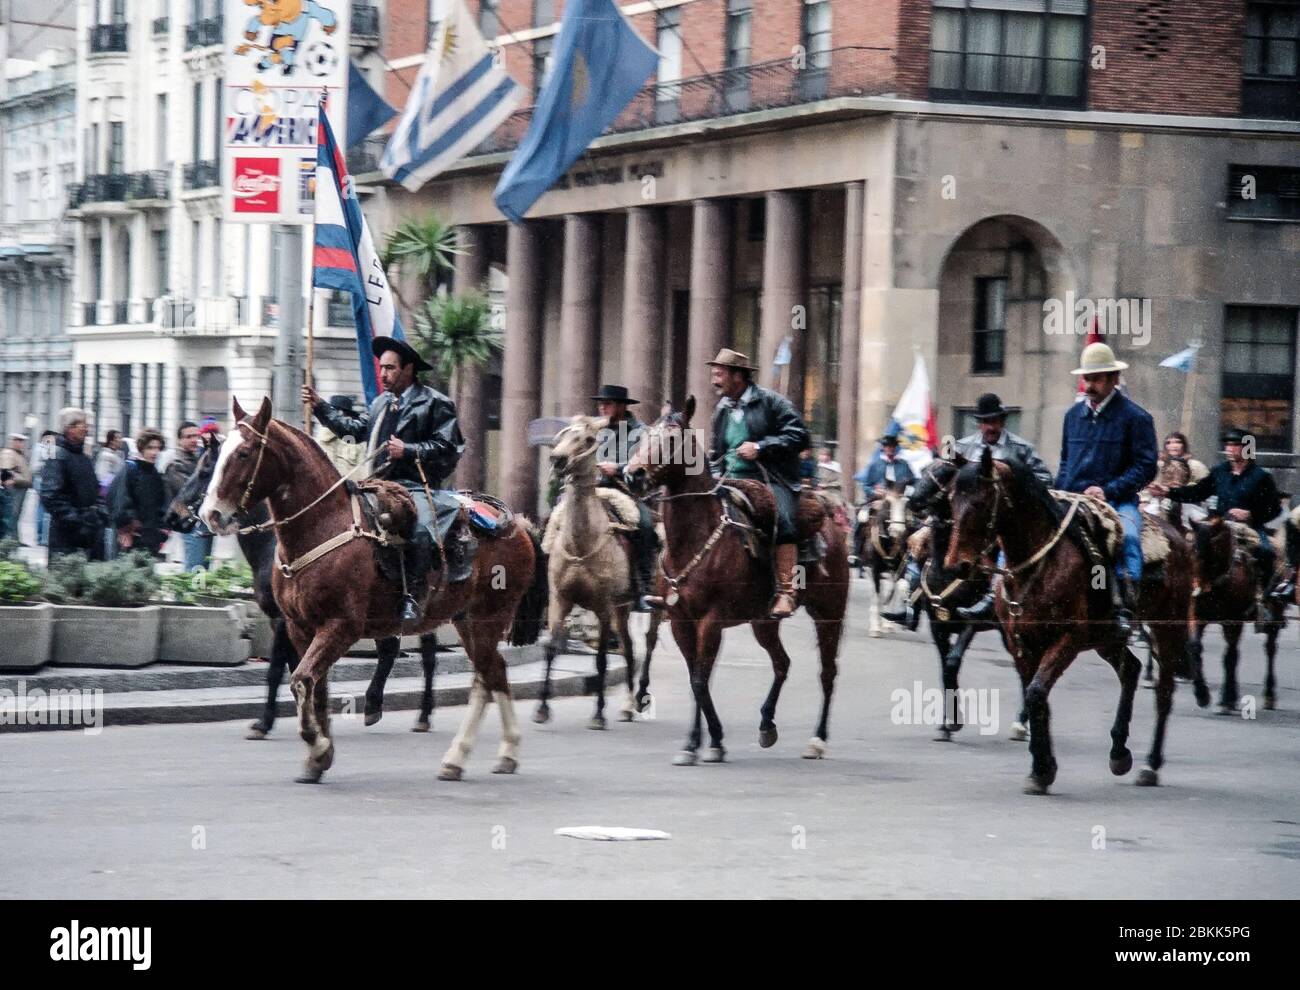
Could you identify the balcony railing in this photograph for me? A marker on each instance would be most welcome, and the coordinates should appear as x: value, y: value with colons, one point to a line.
x: 365, y: 21
x: 155, y: 184
x: 107, y: 38
x: 201, y: 175
x: 847, y: 71
x: 119, y: 188
x: 161, y: 25
x: 121, y: 312
x: 208, y: 31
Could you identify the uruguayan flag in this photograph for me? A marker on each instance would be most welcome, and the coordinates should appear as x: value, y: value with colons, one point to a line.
x: 1184, y: 360
x: 460, y: 97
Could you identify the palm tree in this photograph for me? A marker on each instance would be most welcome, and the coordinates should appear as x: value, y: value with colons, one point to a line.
x: 424, y: 247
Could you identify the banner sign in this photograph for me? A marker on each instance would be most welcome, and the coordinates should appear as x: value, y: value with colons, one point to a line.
x: 281, y: 56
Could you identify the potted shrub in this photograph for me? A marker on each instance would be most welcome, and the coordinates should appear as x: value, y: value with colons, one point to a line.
x: 104, y: 615
x: 203, y: 618
x: 27, y: 622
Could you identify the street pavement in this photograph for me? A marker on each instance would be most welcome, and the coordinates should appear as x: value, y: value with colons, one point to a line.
x: 196, y: 811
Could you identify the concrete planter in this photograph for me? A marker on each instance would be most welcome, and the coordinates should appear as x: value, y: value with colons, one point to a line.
x: 90, y: 636
x: 213, y: 637
x: 26, y: 635
x: 262, y: 633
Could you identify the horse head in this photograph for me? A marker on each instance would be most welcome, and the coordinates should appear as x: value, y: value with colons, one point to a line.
x: 933, y: 488
x: 669, y: 451
x: 573, y: 454
x: 1215, y: 546
x: 247, y: 470
x: 978, y: 493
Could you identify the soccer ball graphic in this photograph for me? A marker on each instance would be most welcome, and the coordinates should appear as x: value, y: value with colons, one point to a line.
x: 320, y: 58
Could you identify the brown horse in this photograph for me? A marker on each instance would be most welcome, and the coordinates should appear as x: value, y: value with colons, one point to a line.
x: 1046, y: 604
x: 339, y: 597
x: 1225, y: 593
x: 715, y: 583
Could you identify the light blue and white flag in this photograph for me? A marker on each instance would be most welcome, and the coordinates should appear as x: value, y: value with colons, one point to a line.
x: 461, y: 95
x: 1184, y: 360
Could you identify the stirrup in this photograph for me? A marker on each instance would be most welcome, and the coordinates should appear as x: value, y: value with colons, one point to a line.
x: 410, y: 609
x: 980, y: 611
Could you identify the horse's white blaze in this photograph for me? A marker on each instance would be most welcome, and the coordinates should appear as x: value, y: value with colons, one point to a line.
x: 211, y: 504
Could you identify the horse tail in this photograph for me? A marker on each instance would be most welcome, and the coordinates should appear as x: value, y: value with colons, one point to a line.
x: 530, y: 613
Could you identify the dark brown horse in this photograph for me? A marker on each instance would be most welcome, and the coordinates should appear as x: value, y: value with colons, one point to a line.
x: 1049, y: 610
x: 1226, y: 593
x: 716, y: 583
x: 340, y: 596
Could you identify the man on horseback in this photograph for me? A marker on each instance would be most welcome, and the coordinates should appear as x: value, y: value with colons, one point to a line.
x: 886, y: 468
x: 758, y: 434
x: 1245, y: 493
x: 1108, y: 452
x: 991, y: 420
x: 617, y: 442
x: 415, y: 440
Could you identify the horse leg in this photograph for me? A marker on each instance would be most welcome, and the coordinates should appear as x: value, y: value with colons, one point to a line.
x: 769, y: 638
x: 283, y: 658
x: 453, y: 761
x: 388, y: 649
x: 828, y: 648
x: 951, y: 667
x: 628, y: 711
x: 311, y: 691
x: 1127, y: 668
x: 1019, y: 730
x: 684, y: 635
x: 874, y: 627
x: 1169, y: 645
x: 1195, y: 652
x: 710, y: 643
x: 559, y: 609
x: 1270, y: 651
x: 429, y: 661
x: 643, y: 697
x: 496, y: 684
x: 597, y: 720
x: 1228, y: 697
x: 1050, y: 667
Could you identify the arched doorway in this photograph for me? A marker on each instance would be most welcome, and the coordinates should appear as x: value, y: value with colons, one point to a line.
x: 993, y: 283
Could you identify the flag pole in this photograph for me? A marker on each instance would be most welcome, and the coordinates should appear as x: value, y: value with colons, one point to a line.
x: 1185, y: 422
x: 308, y: 376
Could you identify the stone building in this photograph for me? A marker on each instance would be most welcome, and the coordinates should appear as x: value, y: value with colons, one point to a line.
x: 844, y: 182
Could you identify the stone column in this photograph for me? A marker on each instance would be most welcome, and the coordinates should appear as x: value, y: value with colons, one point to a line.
x: 108, y: 268
x: 522, y: 363
x: 709, y: 321
x: 643, y: 309
x: 471, y: 275
x: 850, y: 325
x: 785, y: 290
x: 580, y: 310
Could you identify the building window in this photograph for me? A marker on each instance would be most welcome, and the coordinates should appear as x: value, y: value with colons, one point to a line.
x: 196, y: 135
x: 1020, y: 52
x: 214, y: 393
x: 543, y: 13
x: 739, y: 15
x: 195, y: 269
x: 1263, y: 192
x: 988, y: 353
x: 1259, y: 353
x: 489, y: 23
x: 161, y: 261
x: 92, y: 151
x: 1270, y: 82
x: 668, y: 92
x: 821, y: 383
x: 116, y: 151
x: 543, y: 57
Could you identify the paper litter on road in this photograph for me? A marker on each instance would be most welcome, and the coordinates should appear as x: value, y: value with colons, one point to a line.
x: 611, y: 833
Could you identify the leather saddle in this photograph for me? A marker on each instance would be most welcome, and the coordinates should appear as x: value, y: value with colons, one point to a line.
x: 752, y: 507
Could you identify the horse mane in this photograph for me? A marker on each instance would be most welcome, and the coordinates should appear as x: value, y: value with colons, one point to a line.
x: 1024, y: 487
x: 308, y: 443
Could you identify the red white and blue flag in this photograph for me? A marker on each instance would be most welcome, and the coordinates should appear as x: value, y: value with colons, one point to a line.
x: 344, y: 256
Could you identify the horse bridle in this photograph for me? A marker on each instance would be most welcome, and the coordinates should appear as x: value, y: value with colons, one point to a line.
x: 242, y: 505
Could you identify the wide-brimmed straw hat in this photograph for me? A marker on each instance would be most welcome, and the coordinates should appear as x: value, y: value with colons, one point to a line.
x: 1097, y: 359
x: 727, y: 358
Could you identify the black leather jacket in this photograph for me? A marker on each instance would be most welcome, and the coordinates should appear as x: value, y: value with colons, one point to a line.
x: 70, y: 493
x: 427, y: 426
x: 775, y: 426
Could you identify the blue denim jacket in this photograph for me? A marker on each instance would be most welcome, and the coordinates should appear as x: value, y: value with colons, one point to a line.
x: 1114, y: 450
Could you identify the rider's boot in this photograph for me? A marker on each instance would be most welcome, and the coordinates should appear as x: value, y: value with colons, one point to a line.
x: 643, y: 564
x: 1125, y: 601
x: 981, y: 611
x: 787, y: 555
x: 1284, y: 590
x: 904, y: 612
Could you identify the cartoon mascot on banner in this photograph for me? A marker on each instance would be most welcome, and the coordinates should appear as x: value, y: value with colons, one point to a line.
x: 289, y: 21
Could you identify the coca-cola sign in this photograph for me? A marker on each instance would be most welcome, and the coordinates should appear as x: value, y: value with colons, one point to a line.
x: 256, y: 185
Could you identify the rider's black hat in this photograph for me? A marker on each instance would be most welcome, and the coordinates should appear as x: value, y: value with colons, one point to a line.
x: 1234, y: 435
x: 614, y: 393
x: 344, y: 403
x: 890, y: 438
x: 382, y: 344
x: 989, y: 406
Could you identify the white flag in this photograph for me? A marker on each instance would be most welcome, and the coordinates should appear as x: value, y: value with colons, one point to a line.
x: 461, y: 95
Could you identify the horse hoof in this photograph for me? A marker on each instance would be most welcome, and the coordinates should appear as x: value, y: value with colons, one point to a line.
x: 421, y: 725
x: 449, y: 772
x: 256, y: 733
x: 542, y: 715
x: 1147, y: 777
x: 596, y: 722
x: 1018, y: 732
x: 506, y: 765
x: 1148, y: 683
x: 767, y: 737
x: 1270, y: 702
x: 626, y: 716
x: 943, y: 735
x: 715, y: 754
x: 1121, y: 765
x: 1202, y: 696
x: 815, y: 750
x: 1226, y: 709
x: 644, y: 702
x: 373, y: 717
x: 312, y: 771
x: 1035, y: 785
x: 874, y: 633
x: 686, y: 758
